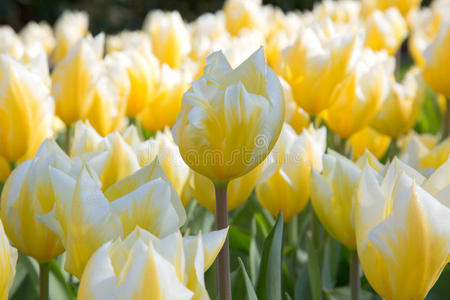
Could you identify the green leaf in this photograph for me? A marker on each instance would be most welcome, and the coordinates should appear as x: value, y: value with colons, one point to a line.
x: 314, y: 271
x: 330, y: 263
x: 251, y: 295
x: 254, y: 253
x: 302, y: 290
x: 239, y: 240
x: 344, y: 293
x: 269, y: 279
x: 58, y: 277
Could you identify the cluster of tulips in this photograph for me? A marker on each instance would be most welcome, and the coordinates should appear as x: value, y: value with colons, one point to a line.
x: 108, y: 143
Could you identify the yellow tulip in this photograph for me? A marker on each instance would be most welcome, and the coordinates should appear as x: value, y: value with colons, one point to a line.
x: 230, y: 119
x: 10, y: 43
x: 437, y: 67
x: 144, y: 267
x: 416, y: 146
x: 358, y: 98
x: 165, y: 104
x: 8, y: 260
x: 86, y: 139
x: 38, y: 34
x: 242, y: 14
x: 129, y: 40
x: 74, y: 79
x: 109, y: 103
x: 400, y: 110
x: 317, y: 62
x: 404, y: 6
x: 337, y: 11
x: 333, y: 196
x: 26, y: 110
x: 395, y: 215
x: 28, y: 193
x: 5, y: 169
x: 437, y: 156
x: 386, y: 30
x: 294, y: 115
x: 70, y: 27
x: 284, y: 185
x: 170, y: 35
x: 84, y: 217
x: 238, y: 189
x: 368, y: 139
x: 369, y: 158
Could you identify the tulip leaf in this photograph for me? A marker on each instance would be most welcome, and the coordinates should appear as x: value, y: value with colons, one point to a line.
x: 344, y: 293
x: 269, y: 278
x: 302, y: 290
x: 314, y: 271
x: 239, y: 240
x: 331, y: 263
x: 251, y: 295
x: 254, y: 253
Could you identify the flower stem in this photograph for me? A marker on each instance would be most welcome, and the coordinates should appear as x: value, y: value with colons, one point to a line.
x: 355, y: 282
x: 447, y: 120
x: 43, y: 280
x: 68, y: 131
x: 223, y: 259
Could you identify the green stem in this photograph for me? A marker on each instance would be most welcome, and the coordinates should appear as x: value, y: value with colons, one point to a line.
x: 43, y: 280
x: 355, y: 282
x: 223, y: 259
x: 447, y: 120
x: 314, y: 229
x: 293, y: 231
x: 68, y: 137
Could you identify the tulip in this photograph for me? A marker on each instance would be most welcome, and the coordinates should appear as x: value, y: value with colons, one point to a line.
x: 165, y: 104
x: 38, y: 34
x: 400, y: 110
x: 242, y: 14
x: 28, y: 193
x: 437, y: 156
x: 368, y: 139
x: 338, y: 11
x: 315, y: 65
x: 285, y: 186
x: 70, y: 27
x: 332, y: 196
x: 84, y: 217
x: 86, y: 139
x: 224, y: 102
x: 8, y: 260
x: 168, y: 30
x: 5, y: 169
x: 74, y: 79
x: 238, y: 189
x: 404, y: 6
x: 391, y: 216
x: 26, y: 110
x: 294, y: 115
x: 359, y: 97
x: 109, y: 103
x: 129, y: 40
x: 143, y: 266
x: 10, y: 43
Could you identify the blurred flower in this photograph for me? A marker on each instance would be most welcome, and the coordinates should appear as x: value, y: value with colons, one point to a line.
x: 294, y: 115
x: 437, y: 156
x: 84, y: 217
x: 74, y: 79
x: 230, y: 119
x: 129, y: 40
x: 85, y: 139
x: 238, y: 189
x: 10, y: 43
x: 284, y: 183
x: 5, y: 169
x: 143, y: 266
x: 394, y: 214
x: 368, y: 139
x: 317, y: 62
x: 343, y: 11
x: 332, y: 196
x: 28, y: 193
x: 70, y: 27
x: 26, y: 110
x: 242, y: 14
x: 170, y: 35
x: 165, y: 103
x: 386, y: 30
x: 40, y: 35
x: 404, y: 6
x: 8, y: 260
x: 399, y: 112
x: 356, y: 101
x: 109, y: 102
x: 437, y: 67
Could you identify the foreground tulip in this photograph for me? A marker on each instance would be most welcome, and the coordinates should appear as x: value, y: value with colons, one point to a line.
x: 143, y: 266
x: 399, y: 112
x: 171, y: 39
x: 84, y: 217
x: 359, y: 97
x: 368, y: 139
x: 28, y: 193
x: 74, y: 79
x: 8, y: 260
x: 391, y: 216
x: 70, y: 27
x: 285, y: 186
x: 314, y: 65
x: 26, y: 110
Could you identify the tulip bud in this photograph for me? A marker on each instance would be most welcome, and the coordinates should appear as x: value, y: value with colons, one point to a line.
x: 230, y: 119
x: 8, y: 260
x: 70, y: 27
x: 28, y: 193
x: 284, y: 183
x: 26, y: 110
x: 74, y: 79
x: 391, y: 216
